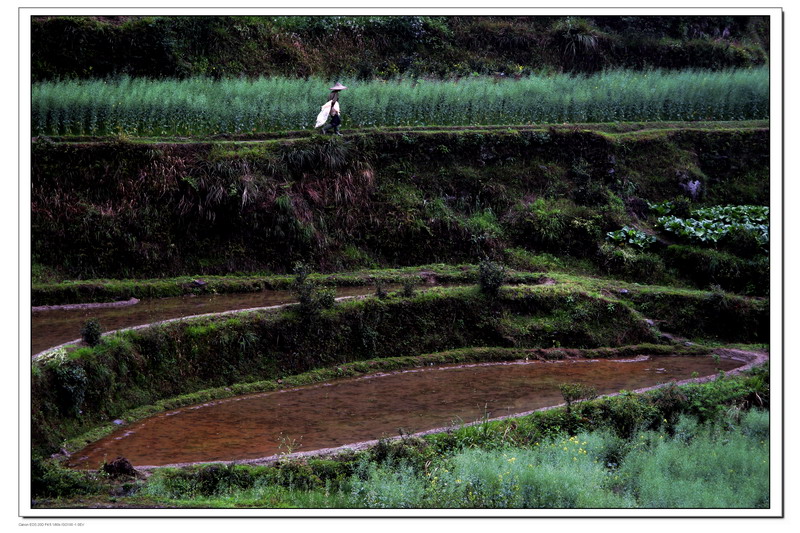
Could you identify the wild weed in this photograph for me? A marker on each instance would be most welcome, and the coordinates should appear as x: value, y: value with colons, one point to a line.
x: 388, y: 487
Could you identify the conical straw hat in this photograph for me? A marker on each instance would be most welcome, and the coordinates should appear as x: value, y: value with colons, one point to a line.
x: 338, y: 87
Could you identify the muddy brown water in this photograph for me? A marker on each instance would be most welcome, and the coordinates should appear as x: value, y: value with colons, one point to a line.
x: 372, y: 407
x: 54, y: 327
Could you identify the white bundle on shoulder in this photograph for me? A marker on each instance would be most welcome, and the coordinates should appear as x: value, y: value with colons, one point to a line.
x: 324, y: 111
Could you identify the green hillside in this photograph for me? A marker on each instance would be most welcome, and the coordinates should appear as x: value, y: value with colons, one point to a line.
x: 386, y: 47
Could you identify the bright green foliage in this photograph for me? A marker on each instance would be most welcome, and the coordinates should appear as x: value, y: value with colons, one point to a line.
x: 491, y: 277
x: 713, y: 223
x: 572, y: 392
x: 702, y: 466
x: 722, y: 465
x: 388, y: 487
x: 735, y: 214
x: 203, y: 106
x: 660, y: 209
x: 632, y: 236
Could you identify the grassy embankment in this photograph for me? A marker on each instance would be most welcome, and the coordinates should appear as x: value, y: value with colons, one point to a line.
x: 536, y: 198
x: 388, y: 47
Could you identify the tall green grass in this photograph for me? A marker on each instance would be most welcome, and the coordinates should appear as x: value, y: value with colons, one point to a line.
x: 702, y: 467
x: 723, y: 464
x: 203, y: 106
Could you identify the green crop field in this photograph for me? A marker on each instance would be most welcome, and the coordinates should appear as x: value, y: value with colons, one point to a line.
x: 202, y: 106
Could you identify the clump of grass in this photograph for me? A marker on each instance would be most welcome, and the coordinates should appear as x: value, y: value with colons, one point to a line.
x: 388, y: 487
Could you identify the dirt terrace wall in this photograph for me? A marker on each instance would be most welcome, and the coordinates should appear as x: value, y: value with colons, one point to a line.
x: 383, y: 198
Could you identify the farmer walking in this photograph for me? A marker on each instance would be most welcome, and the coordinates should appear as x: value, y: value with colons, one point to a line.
x: 330, y: 111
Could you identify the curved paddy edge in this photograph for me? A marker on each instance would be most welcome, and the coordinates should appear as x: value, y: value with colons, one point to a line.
x: 753, y: 359
x: 484, y: 355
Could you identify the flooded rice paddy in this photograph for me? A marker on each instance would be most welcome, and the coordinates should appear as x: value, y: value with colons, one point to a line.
x: 51, y: 328
x: 372, y: 407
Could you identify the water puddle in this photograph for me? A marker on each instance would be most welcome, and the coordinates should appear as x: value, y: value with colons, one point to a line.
x: 372, y: 407
x: 53, y: 327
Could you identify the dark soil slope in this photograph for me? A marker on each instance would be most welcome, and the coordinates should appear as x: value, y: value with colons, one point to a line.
x: 376, y: 198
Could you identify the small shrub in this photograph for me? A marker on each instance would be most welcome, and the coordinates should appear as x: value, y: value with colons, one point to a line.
x: 326, y: 298
x: 409, y: 288
x: 72, y: 383
x: 380, y: 290
x: 407, y: 450
x: 91, y: 332
x: 681, y: 206
x: 628, y: 413
x: 572, y: 392
x: 670, y: 401
x: 492, y: 276
x: 49, y: 480
x: 310, y: 298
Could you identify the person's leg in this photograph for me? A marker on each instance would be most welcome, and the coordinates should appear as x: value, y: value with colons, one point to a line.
x: 325, y: 128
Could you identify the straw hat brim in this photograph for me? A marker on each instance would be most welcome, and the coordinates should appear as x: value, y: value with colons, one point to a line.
x: 338, y: 87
